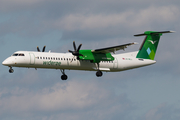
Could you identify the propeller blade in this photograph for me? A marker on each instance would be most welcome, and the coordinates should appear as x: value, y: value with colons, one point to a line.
x: 77, y: 57
x: 72, y: 59
x: 76, y: 51
x: 74, y: 45
x: 79, y: 47
x: 38, y: 49
x: 43, y: 48
x: 81, y: 55
x: 70, y: 51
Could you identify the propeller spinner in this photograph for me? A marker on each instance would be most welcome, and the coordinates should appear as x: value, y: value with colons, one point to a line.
x: 76, y: 51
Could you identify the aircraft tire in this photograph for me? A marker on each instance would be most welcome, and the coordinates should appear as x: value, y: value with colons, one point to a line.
x: 11, y: 70
x: 64, y: 77
x: 99, y: 73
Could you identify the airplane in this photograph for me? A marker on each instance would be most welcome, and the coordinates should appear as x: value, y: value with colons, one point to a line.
x: 99, y: 60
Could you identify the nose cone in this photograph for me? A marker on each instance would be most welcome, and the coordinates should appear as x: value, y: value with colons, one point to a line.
x: 4, y: 62
x: 7, y: 62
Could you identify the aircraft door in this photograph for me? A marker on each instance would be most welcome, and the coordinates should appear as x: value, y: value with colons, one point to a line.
x: 115, y: 63
x: 32, y: 58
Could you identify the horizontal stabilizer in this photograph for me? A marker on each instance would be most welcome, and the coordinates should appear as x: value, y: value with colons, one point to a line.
x: 153, y: 33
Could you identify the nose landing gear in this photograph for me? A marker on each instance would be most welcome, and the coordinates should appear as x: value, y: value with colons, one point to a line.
x: 11, y: 70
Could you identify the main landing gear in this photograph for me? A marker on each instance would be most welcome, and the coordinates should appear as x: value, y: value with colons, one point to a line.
x: 64, y: 76
x: 11, y: 70
x: 98, y: 73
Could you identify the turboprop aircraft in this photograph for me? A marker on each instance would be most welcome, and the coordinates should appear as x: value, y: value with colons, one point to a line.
x: 90, y: 60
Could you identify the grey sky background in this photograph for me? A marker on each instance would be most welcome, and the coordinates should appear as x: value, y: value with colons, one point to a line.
x: 148, y: 93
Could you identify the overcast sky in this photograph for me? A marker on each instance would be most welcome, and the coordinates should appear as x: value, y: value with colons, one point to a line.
x: 148, y: 93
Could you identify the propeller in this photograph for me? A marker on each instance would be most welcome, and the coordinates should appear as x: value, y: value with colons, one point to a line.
x: 42, y: 49
x: 76, y: 50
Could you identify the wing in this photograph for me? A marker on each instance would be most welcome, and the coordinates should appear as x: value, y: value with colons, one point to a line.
x: 112, y: 49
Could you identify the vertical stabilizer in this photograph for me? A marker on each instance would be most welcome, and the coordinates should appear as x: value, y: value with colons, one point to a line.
x: 150, y: 44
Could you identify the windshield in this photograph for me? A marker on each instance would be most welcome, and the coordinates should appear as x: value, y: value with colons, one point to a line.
x: 18, y: 54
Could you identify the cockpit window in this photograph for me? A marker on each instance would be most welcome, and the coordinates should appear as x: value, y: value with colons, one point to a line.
x: 15, y: 54
x: 18, y: 54
x: 21, y: 54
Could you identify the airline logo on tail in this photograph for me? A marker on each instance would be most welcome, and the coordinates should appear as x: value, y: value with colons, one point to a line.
x: 153, y: 42
x: 148, y: 51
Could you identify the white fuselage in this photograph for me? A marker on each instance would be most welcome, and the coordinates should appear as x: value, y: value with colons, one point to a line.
x: 51, y: 60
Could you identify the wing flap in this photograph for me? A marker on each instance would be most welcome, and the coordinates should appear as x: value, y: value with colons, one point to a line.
x: 112, y: 49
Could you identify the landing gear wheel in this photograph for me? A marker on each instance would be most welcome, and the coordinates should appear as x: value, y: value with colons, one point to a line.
x: 99, y: 73
x: 64, y: 77
x: 11, y: 70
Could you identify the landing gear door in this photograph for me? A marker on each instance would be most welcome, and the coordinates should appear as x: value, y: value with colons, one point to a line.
x: 32, y: 58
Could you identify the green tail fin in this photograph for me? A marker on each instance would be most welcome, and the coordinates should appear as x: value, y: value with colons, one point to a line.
x: 150, y: 44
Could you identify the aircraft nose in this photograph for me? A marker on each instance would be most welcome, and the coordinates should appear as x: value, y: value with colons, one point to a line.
x: 7, y: 62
